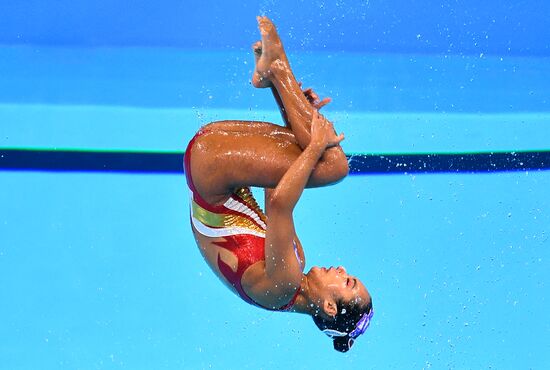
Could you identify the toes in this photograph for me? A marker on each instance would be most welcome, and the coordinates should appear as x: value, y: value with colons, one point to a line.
x: 261, y: 21
x: 264, y: 23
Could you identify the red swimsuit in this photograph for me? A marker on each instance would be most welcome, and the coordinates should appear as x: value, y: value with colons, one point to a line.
x: 240, y: 222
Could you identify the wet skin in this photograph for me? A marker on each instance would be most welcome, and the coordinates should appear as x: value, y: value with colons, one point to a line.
x: 337, y: 283
x: 268, y: 152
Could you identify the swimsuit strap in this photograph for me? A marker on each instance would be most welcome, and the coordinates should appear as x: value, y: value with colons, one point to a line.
x: 290, y: 304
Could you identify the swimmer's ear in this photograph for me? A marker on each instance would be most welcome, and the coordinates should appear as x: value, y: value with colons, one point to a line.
x: 330, y: 308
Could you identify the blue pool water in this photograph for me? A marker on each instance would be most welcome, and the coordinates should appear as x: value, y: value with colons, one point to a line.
x: 99, y: 269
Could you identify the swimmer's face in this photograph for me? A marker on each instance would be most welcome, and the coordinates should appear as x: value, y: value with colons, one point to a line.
x: 337, y: 284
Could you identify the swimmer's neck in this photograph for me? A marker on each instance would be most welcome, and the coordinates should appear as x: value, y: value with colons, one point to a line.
x: 304, y: 304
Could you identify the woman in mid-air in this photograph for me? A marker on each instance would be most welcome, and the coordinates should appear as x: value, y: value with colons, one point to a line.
x: 259, y: 256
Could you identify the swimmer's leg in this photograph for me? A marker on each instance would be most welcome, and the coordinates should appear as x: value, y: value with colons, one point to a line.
x: 273, y: 70
x: 251, y: 128
x: 272, y: 65
x: 223, y: 160
x: 261, y: 82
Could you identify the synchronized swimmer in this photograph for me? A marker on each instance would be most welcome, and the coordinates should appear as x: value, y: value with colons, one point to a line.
x: 257, y: 255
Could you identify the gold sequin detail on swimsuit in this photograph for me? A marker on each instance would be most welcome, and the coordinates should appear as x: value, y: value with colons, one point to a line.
x: 244, y: 205
x: 246, y: 195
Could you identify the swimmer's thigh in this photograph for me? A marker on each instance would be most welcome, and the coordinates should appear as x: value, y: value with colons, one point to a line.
x: 222, y: 161
x: 251, y: 154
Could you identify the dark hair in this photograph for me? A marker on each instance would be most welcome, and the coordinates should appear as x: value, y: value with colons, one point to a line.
x: 344, y: 322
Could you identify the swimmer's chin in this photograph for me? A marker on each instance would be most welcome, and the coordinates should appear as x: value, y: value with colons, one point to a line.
x: 315, y: 270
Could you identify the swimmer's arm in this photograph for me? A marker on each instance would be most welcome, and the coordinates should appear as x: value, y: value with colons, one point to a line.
x: 302, y: 132
x: 267, y: 196
x: 281, y: 267
x: 292, y: 184
x: 285, y: 196
x: 283, y: 199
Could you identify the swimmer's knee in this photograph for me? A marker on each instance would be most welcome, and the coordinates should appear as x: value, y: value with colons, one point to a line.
x: 328, y: 173
x: 338, y: 171
x: 336, y: 164
x: 342, y: 170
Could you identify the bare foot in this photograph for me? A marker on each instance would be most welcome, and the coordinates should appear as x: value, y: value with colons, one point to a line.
x: 257, y: 80
x: 267, y: 51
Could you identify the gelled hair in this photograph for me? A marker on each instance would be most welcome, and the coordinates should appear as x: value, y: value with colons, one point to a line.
x: 348, y: 316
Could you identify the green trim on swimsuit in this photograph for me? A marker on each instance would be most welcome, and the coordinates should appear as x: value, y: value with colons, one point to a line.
x: 206, y: 217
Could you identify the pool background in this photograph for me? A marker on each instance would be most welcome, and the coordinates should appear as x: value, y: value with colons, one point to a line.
x: 99, y: 270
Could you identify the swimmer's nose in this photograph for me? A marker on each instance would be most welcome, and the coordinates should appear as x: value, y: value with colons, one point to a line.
x: 341, y: 269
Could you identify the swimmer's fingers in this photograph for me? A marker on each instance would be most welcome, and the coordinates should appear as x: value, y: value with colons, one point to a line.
x: 322, y: 103
x: 311, y: 96
x: 314, y: 100
x: 332, y: 138
x: 322, y: 132
x: 319, y: 132
x: 335, y: 140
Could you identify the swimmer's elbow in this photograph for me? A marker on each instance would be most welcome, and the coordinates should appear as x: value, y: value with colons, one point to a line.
x: 279, y: 202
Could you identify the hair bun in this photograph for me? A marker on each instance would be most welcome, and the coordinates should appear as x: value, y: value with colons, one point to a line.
x: 342, y: 344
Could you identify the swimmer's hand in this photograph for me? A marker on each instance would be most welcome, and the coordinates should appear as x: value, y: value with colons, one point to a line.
x: 313, y: 98
x: 322, y: 132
